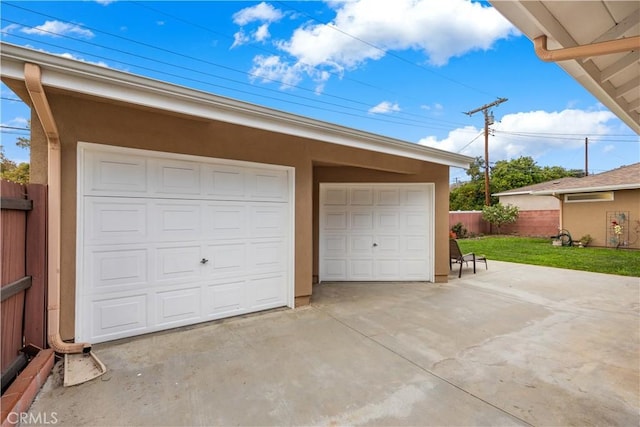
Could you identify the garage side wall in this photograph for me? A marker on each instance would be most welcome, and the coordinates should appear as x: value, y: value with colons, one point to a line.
x: 88, y: 120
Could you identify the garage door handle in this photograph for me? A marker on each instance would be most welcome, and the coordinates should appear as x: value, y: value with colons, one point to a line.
x: 375, y: 244
x: 204, y: 261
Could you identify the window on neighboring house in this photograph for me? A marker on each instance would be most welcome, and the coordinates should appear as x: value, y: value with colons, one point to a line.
x: 606, y: 196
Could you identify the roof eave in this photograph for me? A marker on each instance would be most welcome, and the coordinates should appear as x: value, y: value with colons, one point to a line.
x: 634, y: 186
x: 103, y: 82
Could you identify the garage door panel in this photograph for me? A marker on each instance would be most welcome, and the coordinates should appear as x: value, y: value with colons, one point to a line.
x: 335, y: 196
x: 388, y: 197
x: 387, y: 220
x: 118, y: 220
x: 361, y: 220
x: 176, y: 178
x: 112, y: 317
x: 416, y: 244
x: 224, y: 182
x: 336, y: 220
x: 179, y: 262
x: 335, y: 269
x: 266, y: 256
x: 387, y: 269
x: 224, y: 298
x: 166, y: 241
x: 414, y: 269
x: 265, y: 292
x: 268, y: 221
x: 229, y: 258
x: 415, y: 197
x: 415, y: 220
x: 360, y: 269
x: 178, y: 305
x: 108, y: 173
x: 177, y: 220
x: 117, y: 269
x: 268, y: 185
x: 388, y: 245
x: 225, y: 221
x: 361, y: 196
x: 361, y: 244
x: 335, y: 245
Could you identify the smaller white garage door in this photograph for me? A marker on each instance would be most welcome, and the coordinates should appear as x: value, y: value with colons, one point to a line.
x: 167, y: 240
x: 376, y: 232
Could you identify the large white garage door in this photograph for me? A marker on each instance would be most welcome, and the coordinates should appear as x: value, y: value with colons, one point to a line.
x: 379, y: 232
x: 167, y: 240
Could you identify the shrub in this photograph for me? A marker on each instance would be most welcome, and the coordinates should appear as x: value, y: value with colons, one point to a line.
x: 500, y: 214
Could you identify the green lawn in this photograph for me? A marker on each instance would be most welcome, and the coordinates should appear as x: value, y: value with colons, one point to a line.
x: 539, y: 251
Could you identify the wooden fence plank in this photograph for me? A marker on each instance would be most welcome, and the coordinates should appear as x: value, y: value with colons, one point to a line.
x: 36, y: 298
x: 12, y: 268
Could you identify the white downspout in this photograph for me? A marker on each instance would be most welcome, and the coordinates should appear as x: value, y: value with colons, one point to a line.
x: 33, y: 82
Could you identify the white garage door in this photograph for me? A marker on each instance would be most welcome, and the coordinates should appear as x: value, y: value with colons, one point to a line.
x: 376, y: 232
x: 167, y: 240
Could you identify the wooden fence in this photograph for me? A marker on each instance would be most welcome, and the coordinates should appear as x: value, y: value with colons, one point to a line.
x: 22, y: 274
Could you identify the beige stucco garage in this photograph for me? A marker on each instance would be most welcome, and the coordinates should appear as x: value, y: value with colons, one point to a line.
x: 179, y: 206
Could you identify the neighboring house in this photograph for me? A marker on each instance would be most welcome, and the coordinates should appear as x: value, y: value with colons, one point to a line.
x: 592, y: 204
x: 539, y: 215
x: 589, y: 205
x: 177, y: 206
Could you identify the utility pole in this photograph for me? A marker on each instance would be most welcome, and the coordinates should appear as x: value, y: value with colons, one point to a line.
x: 586, y: 156
x: 488, y: 120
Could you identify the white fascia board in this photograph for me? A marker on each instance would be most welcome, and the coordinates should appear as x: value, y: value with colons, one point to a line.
x: 635, y: 186
x: 514, y: 193
x: 89, y: 79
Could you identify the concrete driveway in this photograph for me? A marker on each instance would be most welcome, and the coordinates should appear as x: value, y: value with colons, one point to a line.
x: 514, y: 345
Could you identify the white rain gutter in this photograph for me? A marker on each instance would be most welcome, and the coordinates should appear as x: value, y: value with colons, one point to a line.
x: 33, y: 82
x: 585, y: 51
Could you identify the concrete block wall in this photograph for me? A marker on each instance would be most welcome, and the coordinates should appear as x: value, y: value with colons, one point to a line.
x: 535, y: 223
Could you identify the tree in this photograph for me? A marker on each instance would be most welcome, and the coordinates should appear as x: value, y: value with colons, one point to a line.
x: 11, y: 171
x: 504, y: 175
x: 500, y: 214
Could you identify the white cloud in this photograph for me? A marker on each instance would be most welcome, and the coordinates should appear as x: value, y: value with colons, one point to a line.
x: 363, y: 30
x: 270, y: 68
x: 385, y: 107
x: 263, y: 13
x: 105, y: 2
x: 532, y: 134
x: 58, y: 28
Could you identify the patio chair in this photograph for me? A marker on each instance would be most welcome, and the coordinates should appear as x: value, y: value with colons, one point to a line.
x: 456, y: 256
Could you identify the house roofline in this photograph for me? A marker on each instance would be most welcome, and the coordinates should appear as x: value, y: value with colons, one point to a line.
x: 596, y: 189
x: 90, y: 79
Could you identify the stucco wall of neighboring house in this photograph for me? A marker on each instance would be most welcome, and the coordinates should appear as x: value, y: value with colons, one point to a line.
x: 527, y: 202
x: 85, y: 119
x: 592, y: 217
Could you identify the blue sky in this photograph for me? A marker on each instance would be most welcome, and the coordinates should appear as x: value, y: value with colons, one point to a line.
x: 407, y: 69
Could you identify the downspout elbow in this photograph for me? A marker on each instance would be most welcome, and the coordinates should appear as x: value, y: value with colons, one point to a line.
x: 626, y: 44
x: 33, y: 83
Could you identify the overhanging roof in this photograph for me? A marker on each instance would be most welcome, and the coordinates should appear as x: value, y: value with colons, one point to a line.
x: 613, y: 78
x: 622, y: 178
x: 89, y: 79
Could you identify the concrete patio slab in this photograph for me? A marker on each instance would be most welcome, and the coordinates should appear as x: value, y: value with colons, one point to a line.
x: 512, y: 345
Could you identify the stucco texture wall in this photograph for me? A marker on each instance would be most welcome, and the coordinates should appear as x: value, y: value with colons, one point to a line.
x: 594, y: 218
x: 91, y: 120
